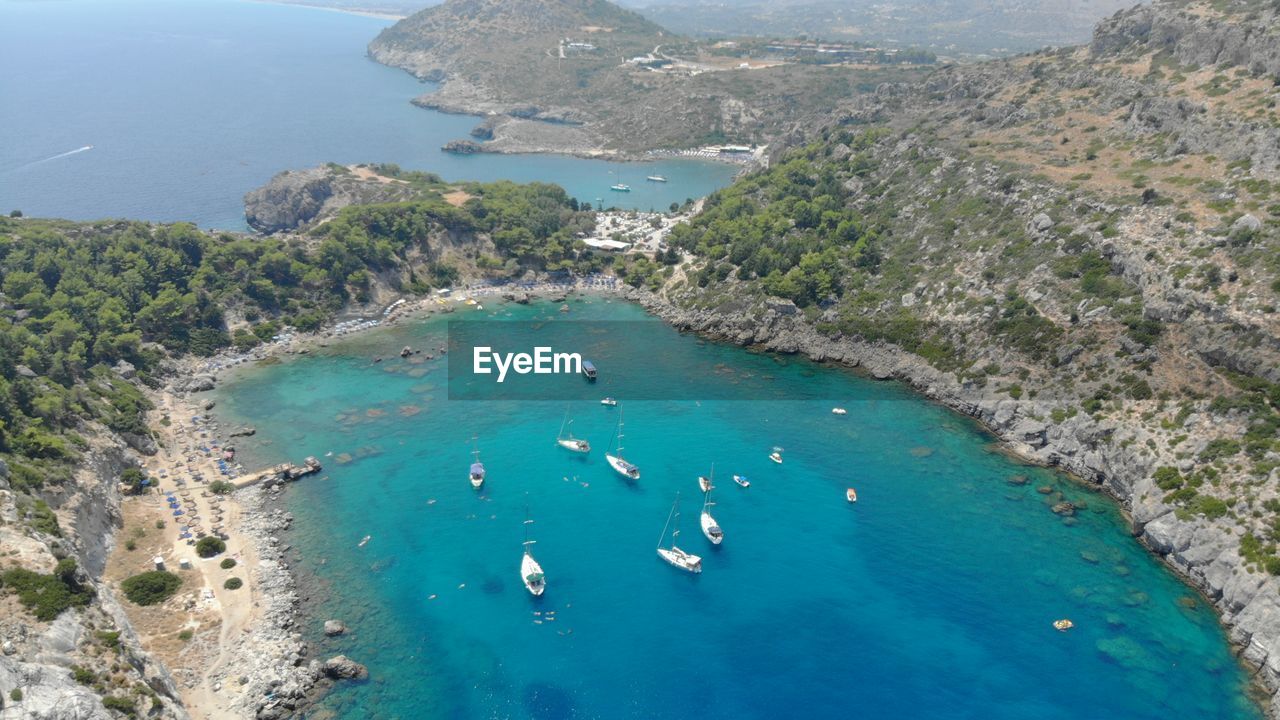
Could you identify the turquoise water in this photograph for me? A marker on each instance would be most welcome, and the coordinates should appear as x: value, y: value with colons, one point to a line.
x: 931, y: 598
x: 188, y: 105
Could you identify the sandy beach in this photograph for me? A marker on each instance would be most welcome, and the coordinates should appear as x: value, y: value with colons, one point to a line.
x: 234, y: 652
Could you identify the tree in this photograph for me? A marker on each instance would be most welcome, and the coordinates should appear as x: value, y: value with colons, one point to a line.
x: 15, y: 213
x: 209, y: 546
x: 233, y: 583
x: 150, y: 587
x: 134, y: 479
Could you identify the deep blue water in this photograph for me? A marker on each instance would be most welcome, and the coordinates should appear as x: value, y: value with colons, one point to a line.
x: 932, y: 597
x: 189, y: 104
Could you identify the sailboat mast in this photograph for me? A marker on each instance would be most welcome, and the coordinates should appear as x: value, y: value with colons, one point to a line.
x: 669, y: 514
x: 617, y: 435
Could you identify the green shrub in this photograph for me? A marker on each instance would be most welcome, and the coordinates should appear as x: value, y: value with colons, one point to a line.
x: 15, y: 695
x: 1219, y: 448
x: 209, y: 546
x: 1167, y: 478
x: 119, y: 704
x: 150, y: 587
x: 84, y: 676
x: 233, y: 583
x: 185, y: 634
x: 221, y: 487
x: 46, y: 596
x: 227, y: 563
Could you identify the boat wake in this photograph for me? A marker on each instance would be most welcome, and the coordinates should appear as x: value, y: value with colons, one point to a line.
x: 59, y: 156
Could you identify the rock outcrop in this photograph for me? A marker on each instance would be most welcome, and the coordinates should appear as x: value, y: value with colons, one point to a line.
x: 295, y: 199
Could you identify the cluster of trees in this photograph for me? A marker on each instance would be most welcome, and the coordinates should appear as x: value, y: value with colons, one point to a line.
x: 80, y: 300
x: 151, y: 587
x: 791, y: 227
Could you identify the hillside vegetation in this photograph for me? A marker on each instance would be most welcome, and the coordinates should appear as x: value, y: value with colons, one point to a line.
x: 1080, y: 247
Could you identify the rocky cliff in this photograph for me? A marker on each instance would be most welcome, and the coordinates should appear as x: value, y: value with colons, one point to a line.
x: 39, y: 658
x: 295, y: 199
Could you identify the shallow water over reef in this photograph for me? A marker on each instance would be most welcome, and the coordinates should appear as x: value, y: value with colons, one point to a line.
x: 931, y: 597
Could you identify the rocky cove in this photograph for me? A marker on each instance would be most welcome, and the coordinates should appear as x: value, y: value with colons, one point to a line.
x: 1204, y: 553
x: 1081, y: 446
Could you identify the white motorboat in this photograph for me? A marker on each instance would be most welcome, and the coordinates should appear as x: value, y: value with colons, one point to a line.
x: 776, y: 457
x: 535, y: 581
x: 477, y: 470
x: 839, y: 411
x: 674, y: 555
x: 742, y: 480
x: 615, y: 459
x: 609, y: 401
x: 851, y: 495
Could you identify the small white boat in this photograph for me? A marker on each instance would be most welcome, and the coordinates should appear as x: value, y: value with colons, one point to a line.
x: 674, y: 555
x: 623, y: 468
x: 704, y: 483
x: 609, y: 401
x: 656, y: 178
x: 620, y: 187
x: 776, y: 457
x: 742, y: 480
x: 477, y: 470
x: 364, y: 541
x: 535, y: 581
x: 851, y: 495
x: 839, y: 411
x: 570, y: 442
x: 710, y: 528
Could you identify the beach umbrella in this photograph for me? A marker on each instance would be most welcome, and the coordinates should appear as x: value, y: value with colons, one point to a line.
x: 176, y: 513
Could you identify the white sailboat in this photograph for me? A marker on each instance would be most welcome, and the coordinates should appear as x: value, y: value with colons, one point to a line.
x: 477, y: 469
x: 704, y: 481
x: 570, y: 442
x: 674, y: 555
x: 710, y: 527
x: 624, y: 468
x: 535, y: 581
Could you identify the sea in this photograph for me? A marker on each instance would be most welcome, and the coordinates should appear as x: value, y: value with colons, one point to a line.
x: 171, y: 110
x: 931, y: 597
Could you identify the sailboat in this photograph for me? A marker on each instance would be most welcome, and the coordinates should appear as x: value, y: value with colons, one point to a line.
x: 477, y: 469
x: 624, y: 468
x: 710, y: 527
x: 530, y: 571
x: 673, y: 554
x: 570, y: 442
x: 704, y: 482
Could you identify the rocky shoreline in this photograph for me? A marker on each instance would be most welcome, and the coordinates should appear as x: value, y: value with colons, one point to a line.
x: 1198, y: 551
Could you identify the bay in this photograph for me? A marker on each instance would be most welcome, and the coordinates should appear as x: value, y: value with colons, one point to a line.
x: 190, y: 104
x: 931, y: 597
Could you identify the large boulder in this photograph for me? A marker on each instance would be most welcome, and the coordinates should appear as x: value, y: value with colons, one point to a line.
x: 341, y: 667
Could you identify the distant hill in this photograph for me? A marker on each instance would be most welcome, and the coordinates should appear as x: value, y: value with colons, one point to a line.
x: 564, y: 62
x: 950, y: 27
